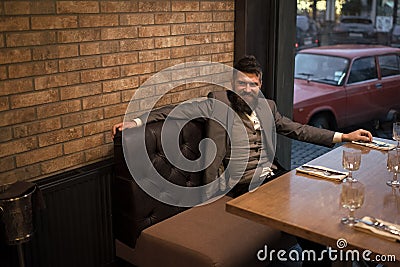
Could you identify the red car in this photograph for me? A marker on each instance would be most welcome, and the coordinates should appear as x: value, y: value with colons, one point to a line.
x: 343, y: 85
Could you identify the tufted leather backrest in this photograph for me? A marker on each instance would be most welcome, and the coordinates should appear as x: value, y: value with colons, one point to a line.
x: 133, y: 209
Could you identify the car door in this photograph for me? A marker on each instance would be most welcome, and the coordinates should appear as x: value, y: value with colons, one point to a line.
x: 361, y: 85
x: 387, y: 96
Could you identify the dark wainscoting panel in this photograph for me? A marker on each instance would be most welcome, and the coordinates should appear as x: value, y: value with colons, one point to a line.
x: 75, y: 228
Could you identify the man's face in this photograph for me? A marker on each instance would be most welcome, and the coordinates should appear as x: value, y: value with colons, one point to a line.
x: 247, y: 85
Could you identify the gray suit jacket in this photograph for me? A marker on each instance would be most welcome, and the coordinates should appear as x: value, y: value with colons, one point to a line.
x: 219, y: 114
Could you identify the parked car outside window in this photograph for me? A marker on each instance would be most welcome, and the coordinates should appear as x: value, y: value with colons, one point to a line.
x: 395, y: 39
x: 307, y: 32
x: 354, y: 29
x: 343, y: 85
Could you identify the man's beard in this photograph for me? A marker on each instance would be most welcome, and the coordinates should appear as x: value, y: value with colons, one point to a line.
x: 239, y: 104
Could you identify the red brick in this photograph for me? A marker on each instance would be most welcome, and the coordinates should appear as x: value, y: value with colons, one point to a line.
x: 137, y: 19
x: 160, y: 65
x: 30, y: 38
x: 77, y: 36
x: 119, y: 6
x: 82, y: 117
x: 58, y: 108
x: 119, y: 59
x: 185, y: 6
x: 150, y: 31
x: 224, y: 16
x: 229, y: 26
x: 17, y: 146
x: 39, y: 155
x: 33, y: 99
x: 98, y: 20
x: 101, y: 152
x: 2, y: 42
x: 21, y: 174
x: 217, y: 5
x: 14, y: 55
x: 84, y: 143
x: 80, y: 91
x: 120, y: 84
x: 54, y: 22
x: 3, y: 72
x: 212, y: 27
x: 229, y: 47
x: 6, y: 165
x: 59, y: 136
x: 154, y: 6
x: 198, y: 39
x: 80, y: 63
x: 164, y: 42
x: 9, y: 87
x: 5, y: 134
x: 99, y: 48
x: 32, y: 69
x: 99, y: 74
x: 37, y: 127
x: 198, y: 17
x: 115, y: 110
x: 223, y: 57
x: 101, y: 100
x: 184, y: 29
x: 223, y: 37
x: 185, y: 51
x: 4, y: 103
x: 62, y: 163
x: 8, y: 23
x: 29, y: 7
x: 135, y: 69
x: 137, y: 45
x: 127, y: 95
x: 77, y: 7
x: 167, y: 18
x: 100, y: 126
x: 17, y: 116
x: 212, y: 48
x: 56, y: 80
x: 154, y: 55
x: 119, y: 33
x: 54, y: 51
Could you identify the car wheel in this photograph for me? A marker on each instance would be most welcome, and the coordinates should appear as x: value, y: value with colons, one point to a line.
x: 322, y: 121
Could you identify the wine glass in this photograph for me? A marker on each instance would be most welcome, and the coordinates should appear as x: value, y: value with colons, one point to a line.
x: 393, y: 165
x: 396, y: 133
x: 351, y: 160
x: 351, y: 198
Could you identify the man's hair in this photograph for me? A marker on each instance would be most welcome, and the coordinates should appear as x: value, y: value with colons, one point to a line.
x: 248, y: 64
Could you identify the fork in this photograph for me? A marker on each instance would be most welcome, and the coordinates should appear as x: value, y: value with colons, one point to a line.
x: 383, y: 226
x: 324, y: 172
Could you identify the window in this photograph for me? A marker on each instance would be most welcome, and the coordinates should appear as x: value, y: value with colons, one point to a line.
x: 389, y: 65
x: 363, y: 69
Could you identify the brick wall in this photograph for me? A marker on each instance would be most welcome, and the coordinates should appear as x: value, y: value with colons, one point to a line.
x: 69, y: 68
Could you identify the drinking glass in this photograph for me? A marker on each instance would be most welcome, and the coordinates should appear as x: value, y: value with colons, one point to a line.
x: 351, y: 161
x: 396, y: 133
x: 351, y: 198
x: 393, y: 165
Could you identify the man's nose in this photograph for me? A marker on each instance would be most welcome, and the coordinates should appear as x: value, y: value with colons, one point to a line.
x: 247, y: 88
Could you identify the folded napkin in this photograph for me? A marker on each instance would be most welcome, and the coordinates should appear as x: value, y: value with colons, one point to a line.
x: 322, y: 172
x: 376, y: 144
x: 388, y: 230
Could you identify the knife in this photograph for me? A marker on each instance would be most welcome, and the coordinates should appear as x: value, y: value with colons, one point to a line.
x: 382, y: 227
x: 323, y: 169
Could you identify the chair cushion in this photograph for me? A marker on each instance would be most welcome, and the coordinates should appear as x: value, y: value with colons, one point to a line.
x: 207, y: 236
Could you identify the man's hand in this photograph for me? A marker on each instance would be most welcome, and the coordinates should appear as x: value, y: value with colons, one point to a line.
x: 122, y: 126
x: 359, y: 135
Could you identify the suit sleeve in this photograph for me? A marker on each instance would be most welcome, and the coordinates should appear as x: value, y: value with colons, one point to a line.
x: 301, y: 132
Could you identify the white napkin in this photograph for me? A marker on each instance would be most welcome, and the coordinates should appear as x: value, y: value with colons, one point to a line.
x: 371, y: 229
x: 322, y: 172
x: 376, y: 145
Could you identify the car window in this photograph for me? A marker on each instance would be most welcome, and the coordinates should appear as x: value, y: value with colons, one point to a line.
x: 363, y: 69
x: 389, y: 65
x: 320, y: 68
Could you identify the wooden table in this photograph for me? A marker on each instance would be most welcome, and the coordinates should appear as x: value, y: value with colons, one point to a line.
x: 308, y: 207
